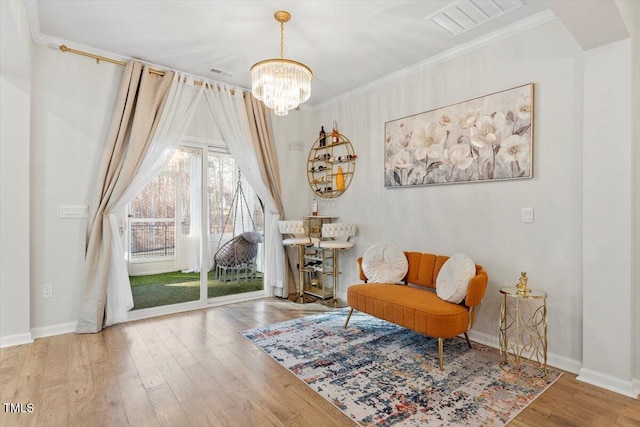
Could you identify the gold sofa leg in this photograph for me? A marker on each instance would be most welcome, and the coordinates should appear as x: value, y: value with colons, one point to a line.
x: 348, y: 318
x: 466, y: 335
x: 440, y: 352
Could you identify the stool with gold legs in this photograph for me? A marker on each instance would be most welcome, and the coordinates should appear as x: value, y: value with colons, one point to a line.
x: 300, y: 239
x: 339, y: 233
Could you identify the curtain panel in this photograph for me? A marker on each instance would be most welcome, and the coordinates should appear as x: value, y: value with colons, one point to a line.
x: 151, y: 117
x: 265, y: 149
x: 228, y: 109
x: 140, y: 101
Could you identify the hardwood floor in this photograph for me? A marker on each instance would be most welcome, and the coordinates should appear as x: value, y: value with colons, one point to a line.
x: 195, y: 369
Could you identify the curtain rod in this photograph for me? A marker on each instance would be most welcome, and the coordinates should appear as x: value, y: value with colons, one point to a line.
x: 99, y: 58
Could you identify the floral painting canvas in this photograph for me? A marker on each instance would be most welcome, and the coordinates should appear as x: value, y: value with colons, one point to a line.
x: 483, y: 139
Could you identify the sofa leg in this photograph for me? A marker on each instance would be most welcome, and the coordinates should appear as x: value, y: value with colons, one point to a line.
x: 440, y: 352
x: 348, y: 318
x: 466, y: 335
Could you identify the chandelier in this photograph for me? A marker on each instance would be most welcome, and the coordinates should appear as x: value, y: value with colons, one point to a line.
x: 282, y: 84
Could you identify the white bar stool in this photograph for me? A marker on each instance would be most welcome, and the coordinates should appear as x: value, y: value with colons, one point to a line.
x: 340, y: 233
x: 300, y: 239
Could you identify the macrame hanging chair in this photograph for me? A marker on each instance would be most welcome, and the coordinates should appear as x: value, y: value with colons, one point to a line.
x: 236, y: 259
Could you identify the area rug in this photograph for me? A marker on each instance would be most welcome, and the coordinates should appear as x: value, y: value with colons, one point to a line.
x: 380, y: 374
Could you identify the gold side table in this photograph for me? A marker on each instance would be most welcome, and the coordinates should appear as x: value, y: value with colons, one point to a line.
x: 523, y: 328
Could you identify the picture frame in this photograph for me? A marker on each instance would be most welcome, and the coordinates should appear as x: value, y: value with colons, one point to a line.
x: 489, y: 138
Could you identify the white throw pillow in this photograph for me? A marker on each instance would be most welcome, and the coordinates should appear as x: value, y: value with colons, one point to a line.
x: 454, y: 276
x: 384, y: 263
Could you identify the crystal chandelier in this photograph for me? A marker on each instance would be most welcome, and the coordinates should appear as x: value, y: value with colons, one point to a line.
x: 282, y: 84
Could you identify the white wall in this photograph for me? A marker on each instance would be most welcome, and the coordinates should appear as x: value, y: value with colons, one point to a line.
x: 14, y: 210
x: 630, y: 11
x: 72, y: 104
x: 480, y: 219
x: 14, y: 175
x: 607, y: 216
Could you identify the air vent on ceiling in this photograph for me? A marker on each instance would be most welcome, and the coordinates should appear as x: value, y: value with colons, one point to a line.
x: 221, y: 72
x: 462, y: 15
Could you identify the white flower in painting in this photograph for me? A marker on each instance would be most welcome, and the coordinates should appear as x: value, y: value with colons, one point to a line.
x: 457, y: 156
x: 446, y: 119
x: 523, y: 107
x: 514, y: 149
x: 431, y: 144
x: 434, y: 151
x: 469, y: 119
x: 488, y: 130
x: 397, y: 137
x: 400, y: 160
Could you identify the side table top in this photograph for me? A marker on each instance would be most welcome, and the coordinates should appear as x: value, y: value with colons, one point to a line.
x: 512, y: 291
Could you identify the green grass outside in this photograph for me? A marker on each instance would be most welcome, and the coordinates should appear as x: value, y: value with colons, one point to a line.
x: 171, y: 288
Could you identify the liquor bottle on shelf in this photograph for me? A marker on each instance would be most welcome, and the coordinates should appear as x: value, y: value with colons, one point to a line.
x: 340, y: 179
x: 314, y: 207
x: 323, y: 137
x: 335, y: 136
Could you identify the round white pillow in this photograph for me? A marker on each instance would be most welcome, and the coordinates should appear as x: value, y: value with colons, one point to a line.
x: 454, y: 276
x: 384, y: 263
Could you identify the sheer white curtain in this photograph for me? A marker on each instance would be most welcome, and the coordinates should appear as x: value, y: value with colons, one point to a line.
x: 191, y: 243
x: 228, y: 109
x: 177, y: 114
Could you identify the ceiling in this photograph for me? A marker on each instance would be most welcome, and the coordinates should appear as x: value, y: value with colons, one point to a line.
x: 347, y: 44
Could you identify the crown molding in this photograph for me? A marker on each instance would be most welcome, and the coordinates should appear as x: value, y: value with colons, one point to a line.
x: 521, y: 26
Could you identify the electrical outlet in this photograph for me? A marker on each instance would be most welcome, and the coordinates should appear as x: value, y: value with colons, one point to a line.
x: 47, y: 290
x: 527, y: 214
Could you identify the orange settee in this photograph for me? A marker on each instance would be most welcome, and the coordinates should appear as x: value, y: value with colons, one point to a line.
x: 418, y: 307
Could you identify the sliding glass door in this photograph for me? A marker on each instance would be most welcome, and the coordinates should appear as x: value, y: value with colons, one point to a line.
x: 190, y: 213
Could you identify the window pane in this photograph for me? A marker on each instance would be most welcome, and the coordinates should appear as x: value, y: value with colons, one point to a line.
x: 221, y: 186
x: 156, y: 200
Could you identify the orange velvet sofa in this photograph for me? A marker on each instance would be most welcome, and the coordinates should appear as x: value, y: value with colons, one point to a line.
x: 415, y: 305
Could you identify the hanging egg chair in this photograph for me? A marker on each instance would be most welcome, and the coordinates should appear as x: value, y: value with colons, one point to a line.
x: 236, y: 259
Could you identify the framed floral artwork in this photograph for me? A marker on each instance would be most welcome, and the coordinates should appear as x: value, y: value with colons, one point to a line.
x: 483, y: 139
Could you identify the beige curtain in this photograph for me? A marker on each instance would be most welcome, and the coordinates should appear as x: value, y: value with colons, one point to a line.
x: 265, y: 149
x: 138, y: 109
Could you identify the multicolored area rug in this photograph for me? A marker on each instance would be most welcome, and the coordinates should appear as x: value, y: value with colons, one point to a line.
x: 380, y: 374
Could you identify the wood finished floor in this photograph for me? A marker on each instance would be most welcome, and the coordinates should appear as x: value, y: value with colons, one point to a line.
x: 195, y: 369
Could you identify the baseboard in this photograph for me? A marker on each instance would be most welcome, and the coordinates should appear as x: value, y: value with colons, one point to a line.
x: 627, y: 388
x: 557, y: 361
x: 636, y: 386
x: 16, y: 339
x: 59, y: 329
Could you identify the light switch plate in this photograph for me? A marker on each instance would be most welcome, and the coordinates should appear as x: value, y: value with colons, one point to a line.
x: 527, y: 214
x: 74, y: 211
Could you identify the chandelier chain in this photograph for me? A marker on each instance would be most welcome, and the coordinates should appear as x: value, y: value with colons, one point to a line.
x: 281, y: 39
